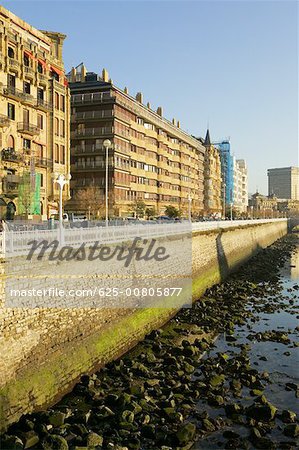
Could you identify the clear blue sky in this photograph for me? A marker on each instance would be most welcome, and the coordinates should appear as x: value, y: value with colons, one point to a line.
x: 233, y: 65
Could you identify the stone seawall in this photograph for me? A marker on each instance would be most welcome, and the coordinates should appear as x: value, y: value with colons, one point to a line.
x: 45, y: 351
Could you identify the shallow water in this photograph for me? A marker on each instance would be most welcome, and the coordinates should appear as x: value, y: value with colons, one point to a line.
x: 281, y: 368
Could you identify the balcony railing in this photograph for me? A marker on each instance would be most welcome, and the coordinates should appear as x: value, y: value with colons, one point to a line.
x: 43, y: 162
x: 11, y: 91
x: 9, y: 154
x: 92, y: 165
x: 87, y: 115
x: 4, y: 120
x: 28, y: 128
x: 43, y: 77
x: 41, y: 103
x: 92, y: 132
x: 100, y: 97
x: 29, y: 71
x: 13, y: 63
x: 88, y: 149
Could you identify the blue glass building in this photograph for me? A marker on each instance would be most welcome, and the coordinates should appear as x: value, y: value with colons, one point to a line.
x: 227, y: 170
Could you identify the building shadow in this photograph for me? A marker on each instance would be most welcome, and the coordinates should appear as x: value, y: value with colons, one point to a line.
x: 222, y: 259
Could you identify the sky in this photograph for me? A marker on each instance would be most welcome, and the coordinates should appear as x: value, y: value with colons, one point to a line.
x: 232, y: 66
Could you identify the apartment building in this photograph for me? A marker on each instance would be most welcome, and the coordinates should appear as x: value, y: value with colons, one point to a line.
x: 152, y: 160
x: 240, y: 191
x: 212, y: 179
x: 34, y: 118
x: 283, y: 182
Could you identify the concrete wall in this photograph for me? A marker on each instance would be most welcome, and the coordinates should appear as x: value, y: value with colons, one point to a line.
x: 46, y: 350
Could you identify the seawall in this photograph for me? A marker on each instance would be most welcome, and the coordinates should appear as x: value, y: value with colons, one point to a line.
x: 45, y: 351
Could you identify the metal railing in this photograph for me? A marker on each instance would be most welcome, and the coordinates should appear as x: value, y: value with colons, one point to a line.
x: 29, y: 128
x: 92, y: 132
x: 41, y: 103
x: 85, y: 115
x: 9, y: 154
x: 15, y: 242
x: 12, y: 91
x: 100, y: 97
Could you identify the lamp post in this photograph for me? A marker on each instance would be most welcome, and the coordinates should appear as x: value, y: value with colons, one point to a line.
x: 107, y: 144
x: 189, y: 207
x: 61, y: 180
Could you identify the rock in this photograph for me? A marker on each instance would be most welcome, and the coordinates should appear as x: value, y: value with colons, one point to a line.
x: 57, y: 418
x: 288, y: 416
x: 208, y: 425
x: 291, y: 386
x: 127, y: 416
x: 256, y: 392
x: 229, y: 434
x: 291, y: 430
x: 55, y: 442
x: 30, y: 438
x: 186, y: 433
x: 216, y: 380
x: 264, y: 443
x: 255, y: 433
x: 233, y: 408
x: 11, y: 443
x: 263, y: 412
x: 94, y: 440
x: 134, y: 443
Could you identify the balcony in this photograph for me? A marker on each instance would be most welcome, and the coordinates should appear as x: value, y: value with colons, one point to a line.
x: 29, y: 72
x: 9, y: 154
x: 28, y: 128
x: 43, y: 78
x: 92, y: 132
x: 14, y: 64
x: 101, y: 165
x: 4, y: 121
x: 88, y: 149
x: 91, y: 115
x: 43, y: 162
x: 93, y: 98
x: 16, y: 94
x: 11, y: 185
x: 42, y: 104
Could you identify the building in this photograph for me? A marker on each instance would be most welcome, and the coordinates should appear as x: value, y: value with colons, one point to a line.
x: 152, y: 161
x: 240, y: 190
x: 34, y: 118
x: 262, y: 206
x: 284, y: 182
x: 227, y: 171
x: 212, y: 179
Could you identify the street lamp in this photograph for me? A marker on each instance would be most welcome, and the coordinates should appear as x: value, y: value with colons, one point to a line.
x: 107, y: 144
x: 189, y: 207
x: 61, y: 180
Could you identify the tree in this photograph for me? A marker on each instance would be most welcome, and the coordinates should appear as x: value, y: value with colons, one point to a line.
x: 138, y: 208
x: 26, y: 195
x: 150, y: 212
x: 172, y: 211
x: 90, y: 199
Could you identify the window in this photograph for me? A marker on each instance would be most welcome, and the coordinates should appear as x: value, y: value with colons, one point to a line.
x: 56, y: 126
x: 26, y: 87
x: 62, y: 103
x: 40, y: 93
x: 62, y: 128
x: 39, y: 150
x: 11, y: 111
x: 26, y: 144
x: 11, y: 80
x: 11, y: 142
x: 56, y: 100
x: 56, y: 156
x: 40, y: 121
x: 41, y: 180
x: 25, y: 115
x: 26, y: 61
x: 54, y: 75
x: 39, y: 67
x: 62, y: 154
x: 11, y: 52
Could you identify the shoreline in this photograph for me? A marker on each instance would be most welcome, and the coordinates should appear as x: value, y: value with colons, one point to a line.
x: 149, y: 398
